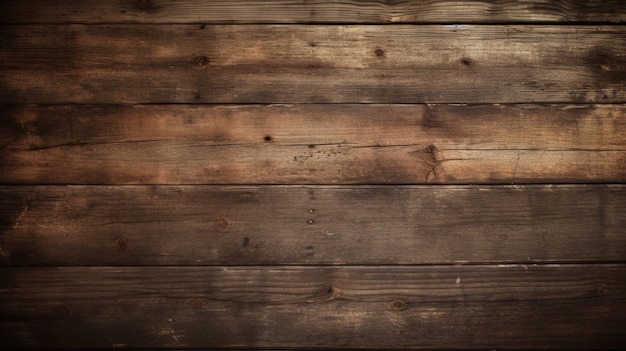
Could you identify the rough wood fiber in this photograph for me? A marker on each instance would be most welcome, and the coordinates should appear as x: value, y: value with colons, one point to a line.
x: 306, y: 11
x: 452, y: 307
x: 195, y: 225
x: 314, y: 144
x: 311, y: 64
x: 315, y: 267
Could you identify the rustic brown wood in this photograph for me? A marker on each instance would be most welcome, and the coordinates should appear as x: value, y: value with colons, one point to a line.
x: 198, y: 225
x: 133, y: 99
x: 309, y: 64
x: 315, y: 144
x: 306, y: 11
x: 452, y: 307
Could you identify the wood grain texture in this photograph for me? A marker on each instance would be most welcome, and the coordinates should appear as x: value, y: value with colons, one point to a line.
x: 314, y: 144
x: 306, y: 11
x: 218, y: 225
x: 451, y: 307
x: 122, y: 97
x: 311, y: 64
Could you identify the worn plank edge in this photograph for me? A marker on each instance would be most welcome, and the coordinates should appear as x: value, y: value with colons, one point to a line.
x: 282, y: 11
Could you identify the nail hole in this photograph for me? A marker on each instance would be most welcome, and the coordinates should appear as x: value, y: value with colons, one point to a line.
x: 466, y: 62
x: 267, y: 138
x: 379, y: 52
x: 399, y: 305
x: 201, y: 61
x: 223, y: 223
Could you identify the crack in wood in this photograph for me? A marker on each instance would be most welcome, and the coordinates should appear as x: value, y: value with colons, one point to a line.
x: 327, y: 294
x: 79, y: 144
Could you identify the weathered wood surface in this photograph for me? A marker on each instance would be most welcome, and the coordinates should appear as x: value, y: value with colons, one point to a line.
x: 314, y: 144
x: 217, y: 225
x: 306, y: 11
x: 451, y: 307
x: 311, y: 64
x: 123, y: 97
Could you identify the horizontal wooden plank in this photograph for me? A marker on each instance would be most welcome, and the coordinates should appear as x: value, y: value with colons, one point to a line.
x: 451, y: 307
x: 219, y: 225
x: 311, y: 64
x: 313, y: 144
x: 306, y: 11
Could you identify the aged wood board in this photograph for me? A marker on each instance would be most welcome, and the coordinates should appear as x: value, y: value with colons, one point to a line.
x: 305, y: 174
x: 259, y: 225
x: 308, y: 11
x: 313, y: 144
x: 123, y: 64
x: 451, y: 307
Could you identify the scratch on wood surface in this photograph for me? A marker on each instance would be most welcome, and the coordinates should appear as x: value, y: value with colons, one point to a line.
x: 515, y: 169
x: 22, y: 212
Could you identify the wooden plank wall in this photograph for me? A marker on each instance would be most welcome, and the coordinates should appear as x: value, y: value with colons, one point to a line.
x: 312, y: 174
